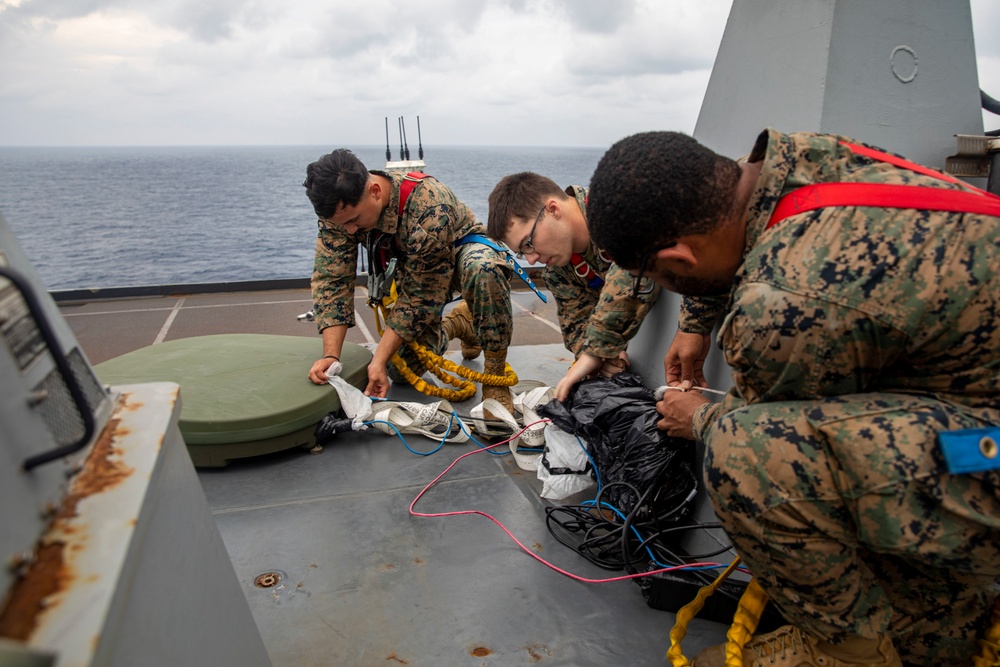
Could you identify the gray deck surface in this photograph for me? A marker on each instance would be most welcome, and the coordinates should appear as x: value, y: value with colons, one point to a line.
x: 365, y: 583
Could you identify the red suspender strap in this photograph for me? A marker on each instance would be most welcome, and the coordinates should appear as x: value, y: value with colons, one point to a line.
x: 820, y: 195
x: 901, y: 163
x: 811, y: 197
x: 406, y: 187
x: 583, y: 269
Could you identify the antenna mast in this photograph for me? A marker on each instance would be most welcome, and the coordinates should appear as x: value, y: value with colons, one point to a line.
x: 420, y: 145
x: 388, y: 153
x: 399, y: 127
x: 406, y: 146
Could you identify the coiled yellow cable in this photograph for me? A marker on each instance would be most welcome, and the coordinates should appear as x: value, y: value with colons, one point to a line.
x: 745, y: 620
x: 748, y: 613
x: 438, y: 365
x: 989, y: 646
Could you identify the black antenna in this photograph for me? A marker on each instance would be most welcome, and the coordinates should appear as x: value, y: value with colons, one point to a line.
x: 399, y: 126
x: 388, y: 153
x: 406, y: 146
x: 420, y: 146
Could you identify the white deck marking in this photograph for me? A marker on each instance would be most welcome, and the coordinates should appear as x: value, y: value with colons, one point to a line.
x: 214, y: 305
x: 170, y: 320
x: 360, y: 322
x: 551, y: 325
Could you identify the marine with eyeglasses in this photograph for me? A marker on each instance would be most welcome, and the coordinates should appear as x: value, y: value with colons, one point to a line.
x: 600, y: 306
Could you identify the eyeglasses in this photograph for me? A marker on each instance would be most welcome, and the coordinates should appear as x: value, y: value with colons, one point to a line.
x: 526, y: 245
x: 639, y: 286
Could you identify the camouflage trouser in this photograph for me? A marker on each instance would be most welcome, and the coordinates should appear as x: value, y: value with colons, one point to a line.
x: 483, y: 279
x: 845, y: 512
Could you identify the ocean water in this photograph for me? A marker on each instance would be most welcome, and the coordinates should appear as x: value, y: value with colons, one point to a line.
x: 129, y: 216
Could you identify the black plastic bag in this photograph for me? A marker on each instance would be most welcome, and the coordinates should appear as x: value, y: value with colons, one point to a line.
x: 640, y: 466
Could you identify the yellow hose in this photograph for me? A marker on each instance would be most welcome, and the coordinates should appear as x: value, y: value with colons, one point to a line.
x: 745, y: 620
x: 438, y: 365
x: 989, y: 646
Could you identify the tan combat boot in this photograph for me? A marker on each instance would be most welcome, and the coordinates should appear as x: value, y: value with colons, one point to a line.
x: 495, y: 363
x: 458, y: 324
x: 788, y: 647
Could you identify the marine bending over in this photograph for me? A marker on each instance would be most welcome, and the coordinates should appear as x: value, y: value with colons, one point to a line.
x: 351, y: 203
x: 598, y: 311
x: 860, y: 337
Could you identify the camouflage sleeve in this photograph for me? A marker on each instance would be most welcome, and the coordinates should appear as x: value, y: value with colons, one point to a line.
x: 574, y: 304
x: 785, y: 346
x: 699, y: 314
x: 425, y: 276
x: 617, y: 316
x: 334, y: 273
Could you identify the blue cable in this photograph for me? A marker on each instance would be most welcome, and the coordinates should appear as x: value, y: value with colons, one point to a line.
x: 406, y: 444
x: 597, y: 475
x: 467, y: 432
x: 593, y: 465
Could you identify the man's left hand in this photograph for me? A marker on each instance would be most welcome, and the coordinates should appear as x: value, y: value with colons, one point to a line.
x: 677, y: 408
x: 378, y: 381
x: 582, y: 368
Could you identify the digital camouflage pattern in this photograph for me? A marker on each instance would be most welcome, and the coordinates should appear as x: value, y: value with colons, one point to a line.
x: 598, y: 322
x: 431, y: 270
x: 856, y: 335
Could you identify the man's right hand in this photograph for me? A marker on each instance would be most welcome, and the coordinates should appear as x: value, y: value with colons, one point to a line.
x: 684, y: 364
x: 320, y: 371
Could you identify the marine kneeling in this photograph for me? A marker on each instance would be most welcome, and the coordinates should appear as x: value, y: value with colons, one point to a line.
x: 415, y: 222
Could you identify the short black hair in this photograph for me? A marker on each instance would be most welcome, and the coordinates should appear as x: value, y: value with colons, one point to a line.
x: 518, y: 196
x: 334, y: 179
x: 654, y: 187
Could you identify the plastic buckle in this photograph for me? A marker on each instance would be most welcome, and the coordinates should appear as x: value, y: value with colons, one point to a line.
x: 971, y: 450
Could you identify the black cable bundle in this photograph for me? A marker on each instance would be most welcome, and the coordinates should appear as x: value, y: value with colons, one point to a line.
x: 648, y: 478
x: 646, y: 475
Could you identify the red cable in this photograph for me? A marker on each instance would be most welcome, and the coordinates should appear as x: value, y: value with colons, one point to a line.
x: 517, y: 541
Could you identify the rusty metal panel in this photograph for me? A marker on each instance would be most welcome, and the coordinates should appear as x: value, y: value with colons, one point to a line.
x: 102, y: 588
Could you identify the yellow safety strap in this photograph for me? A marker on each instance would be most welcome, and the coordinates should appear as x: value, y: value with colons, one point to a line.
x: 989, y: 646
x: 438, y: 365
x: 748, y: 613
x: 745, y: 620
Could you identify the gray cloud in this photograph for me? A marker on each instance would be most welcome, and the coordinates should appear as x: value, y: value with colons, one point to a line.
x: 561, y: 72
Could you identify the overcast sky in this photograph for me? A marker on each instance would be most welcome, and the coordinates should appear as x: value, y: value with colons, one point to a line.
x: 509, y: 72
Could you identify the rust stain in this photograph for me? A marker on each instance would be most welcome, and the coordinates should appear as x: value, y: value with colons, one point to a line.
x: 537, y: 547
x: 419, y: 561
x: 392, y: 656
x: 101, y: 472
x: 480, y: 652
x: 47, y: 575
x: 387, y: 567
x: 49, y: 572
x: 536, y: 651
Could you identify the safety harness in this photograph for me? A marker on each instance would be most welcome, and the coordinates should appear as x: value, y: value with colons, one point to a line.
x: 508, y: 256
x: 962, y: 446
x: 384, y: 258
x: 583, y: 269
x: 884, y: 195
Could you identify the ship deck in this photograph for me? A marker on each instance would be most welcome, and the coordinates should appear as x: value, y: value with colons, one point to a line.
x: 363, y: 582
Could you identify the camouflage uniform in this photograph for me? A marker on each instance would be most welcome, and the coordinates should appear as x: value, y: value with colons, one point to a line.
x: 598, y: 322
x: 855, y: 336
x: 432, y: 269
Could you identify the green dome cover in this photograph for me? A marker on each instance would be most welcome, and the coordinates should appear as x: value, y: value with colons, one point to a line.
x: 237, y: 388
